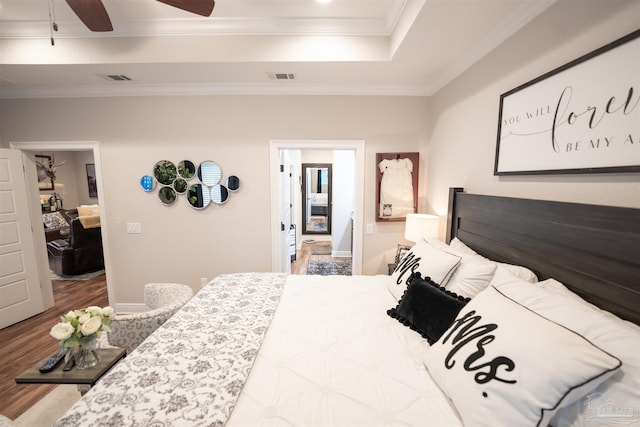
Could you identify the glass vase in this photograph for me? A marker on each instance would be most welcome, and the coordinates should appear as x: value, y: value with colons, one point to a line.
x: 86, y: 357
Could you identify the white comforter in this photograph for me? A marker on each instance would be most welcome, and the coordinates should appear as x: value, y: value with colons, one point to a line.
x: 330, y: 357
x: 333, y: 357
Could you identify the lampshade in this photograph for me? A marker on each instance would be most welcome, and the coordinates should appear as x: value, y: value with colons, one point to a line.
x: 421, y: 226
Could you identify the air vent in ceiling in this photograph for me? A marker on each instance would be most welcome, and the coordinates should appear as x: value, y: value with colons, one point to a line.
x: 115, y: 77
x: 281, y: 76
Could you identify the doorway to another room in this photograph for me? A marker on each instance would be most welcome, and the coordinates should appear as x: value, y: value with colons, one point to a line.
x: 82, y: 169
x: 317, y: 198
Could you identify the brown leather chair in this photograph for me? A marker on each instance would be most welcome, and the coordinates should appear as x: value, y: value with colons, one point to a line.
x: 80, y: 253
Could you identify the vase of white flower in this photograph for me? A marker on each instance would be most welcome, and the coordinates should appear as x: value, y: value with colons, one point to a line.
x: 85, y: 357
x: 78, y: 332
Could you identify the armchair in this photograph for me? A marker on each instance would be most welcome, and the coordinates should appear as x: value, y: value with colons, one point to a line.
x: 164, y: 299
x: 80, y: 253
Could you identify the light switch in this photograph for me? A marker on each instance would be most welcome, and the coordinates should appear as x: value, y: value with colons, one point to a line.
x: 369, y: 228
x: 134, y: 228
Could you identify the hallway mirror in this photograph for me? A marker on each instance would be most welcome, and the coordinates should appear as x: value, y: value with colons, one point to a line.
x: 316, y: 198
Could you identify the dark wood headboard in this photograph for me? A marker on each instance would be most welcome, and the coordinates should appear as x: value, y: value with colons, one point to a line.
x: 593, y: 250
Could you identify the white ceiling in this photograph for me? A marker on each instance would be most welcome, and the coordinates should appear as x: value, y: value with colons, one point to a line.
x: 360, y: 47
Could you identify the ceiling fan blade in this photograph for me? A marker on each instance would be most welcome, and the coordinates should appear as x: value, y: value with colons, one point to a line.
x: 92, y: 13
x: 200, y: 7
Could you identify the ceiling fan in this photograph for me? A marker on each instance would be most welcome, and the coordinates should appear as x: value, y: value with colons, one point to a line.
x: 93, y: 14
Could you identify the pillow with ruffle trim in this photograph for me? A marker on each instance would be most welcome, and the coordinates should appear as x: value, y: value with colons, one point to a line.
x: 427, y: 308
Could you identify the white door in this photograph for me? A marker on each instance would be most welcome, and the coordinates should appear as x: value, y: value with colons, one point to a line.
x: 285, y: 213
x: 20, y: 294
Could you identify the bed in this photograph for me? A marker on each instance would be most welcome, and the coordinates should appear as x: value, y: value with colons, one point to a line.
x: 518, y: 335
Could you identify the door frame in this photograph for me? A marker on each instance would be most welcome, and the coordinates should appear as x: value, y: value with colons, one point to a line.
x: 93, y: 146
x: 358, y: 146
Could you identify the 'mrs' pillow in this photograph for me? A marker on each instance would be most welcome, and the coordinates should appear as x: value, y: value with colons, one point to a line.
x: 429, y: 261
x: 502, y: 364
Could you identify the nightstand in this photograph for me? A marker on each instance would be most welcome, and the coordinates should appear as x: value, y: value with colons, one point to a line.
x: 390, y: 268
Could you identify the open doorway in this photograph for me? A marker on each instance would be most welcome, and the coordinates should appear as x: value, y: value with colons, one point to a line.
x: 91, y: 151
x: 352, y: 228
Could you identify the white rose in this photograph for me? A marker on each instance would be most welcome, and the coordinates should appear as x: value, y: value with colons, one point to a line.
x: 62, y: 331
x: 84, y: 318
x: 108, y: 312
x: 70, y: 315
x: 91, y: 326
x: 93, y: 309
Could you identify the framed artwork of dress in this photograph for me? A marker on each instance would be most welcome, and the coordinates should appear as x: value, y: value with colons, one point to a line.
x: 396, y: 185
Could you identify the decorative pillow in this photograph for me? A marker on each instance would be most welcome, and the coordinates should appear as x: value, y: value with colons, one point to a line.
x: 615, y: 399
x: 520, y: 271
x: 501, y: 363
x: 427, y: 308
x: 54, y: 220
x: 427, y: 260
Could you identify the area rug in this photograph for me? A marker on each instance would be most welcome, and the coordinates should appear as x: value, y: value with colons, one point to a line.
x: 51, y: 407
x: 321, y: 249
x: 329, y: 267
x: 85, y: 276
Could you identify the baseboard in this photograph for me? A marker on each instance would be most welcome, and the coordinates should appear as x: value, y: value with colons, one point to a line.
x: 341, y: 254
x: 131, y: 308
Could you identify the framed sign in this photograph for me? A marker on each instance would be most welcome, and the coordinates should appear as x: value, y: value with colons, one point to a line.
x: 583, y: 117
x: 396, y: 185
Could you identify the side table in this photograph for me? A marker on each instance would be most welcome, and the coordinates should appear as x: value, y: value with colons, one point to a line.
x: 84, y: 378
x: 391, y: 268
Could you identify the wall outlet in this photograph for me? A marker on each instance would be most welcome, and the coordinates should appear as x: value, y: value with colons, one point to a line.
x: 134, y: 228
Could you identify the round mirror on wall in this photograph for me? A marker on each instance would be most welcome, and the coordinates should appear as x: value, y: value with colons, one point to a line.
x: 233, y: 183
x: 180, y: 185
x: 165, y: 172
x: 219, y: 194
x: 209, y: 173
x: 198, y: 196
x: 167, y: 195
x: 147, y: 183
x: 187, y: 169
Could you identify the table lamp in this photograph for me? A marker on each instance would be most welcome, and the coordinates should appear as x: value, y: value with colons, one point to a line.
x: 421, y: 226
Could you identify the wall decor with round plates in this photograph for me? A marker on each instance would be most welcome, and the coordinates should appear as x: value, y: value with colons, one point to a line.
x: 202, y: 185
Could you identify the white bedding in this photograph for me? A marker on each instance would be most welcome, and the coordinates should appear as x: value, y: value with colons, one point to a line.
x: 330, y: 357
x: 333, y: 357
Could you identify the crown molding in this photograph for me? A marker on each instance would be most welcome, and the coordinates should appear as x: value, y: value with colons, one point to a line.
x: 128, y: 89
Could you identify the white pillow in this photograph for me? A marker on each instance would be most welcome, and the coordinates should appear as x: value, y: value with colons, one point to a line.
x: 503, y: 364
x: 614, y: 335
x: 552, y: 285
x: 472, y: 275
x: 426, y: 259
x: 520, y: 271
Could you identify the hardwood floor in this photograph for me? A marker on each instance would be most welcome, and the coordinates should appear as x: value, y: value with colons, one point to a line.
x: 299, y: 266
x: 27, y: 342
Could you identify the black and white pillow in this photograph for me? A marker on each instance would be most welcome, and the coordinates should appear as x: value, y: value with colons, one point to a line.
x: 429, y: 261
x: 427, y: 308
x: 502, y: 363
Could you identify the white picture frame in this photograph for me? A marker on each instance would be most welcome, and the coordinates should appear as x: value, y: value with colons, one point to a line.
x: 583, y: 117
